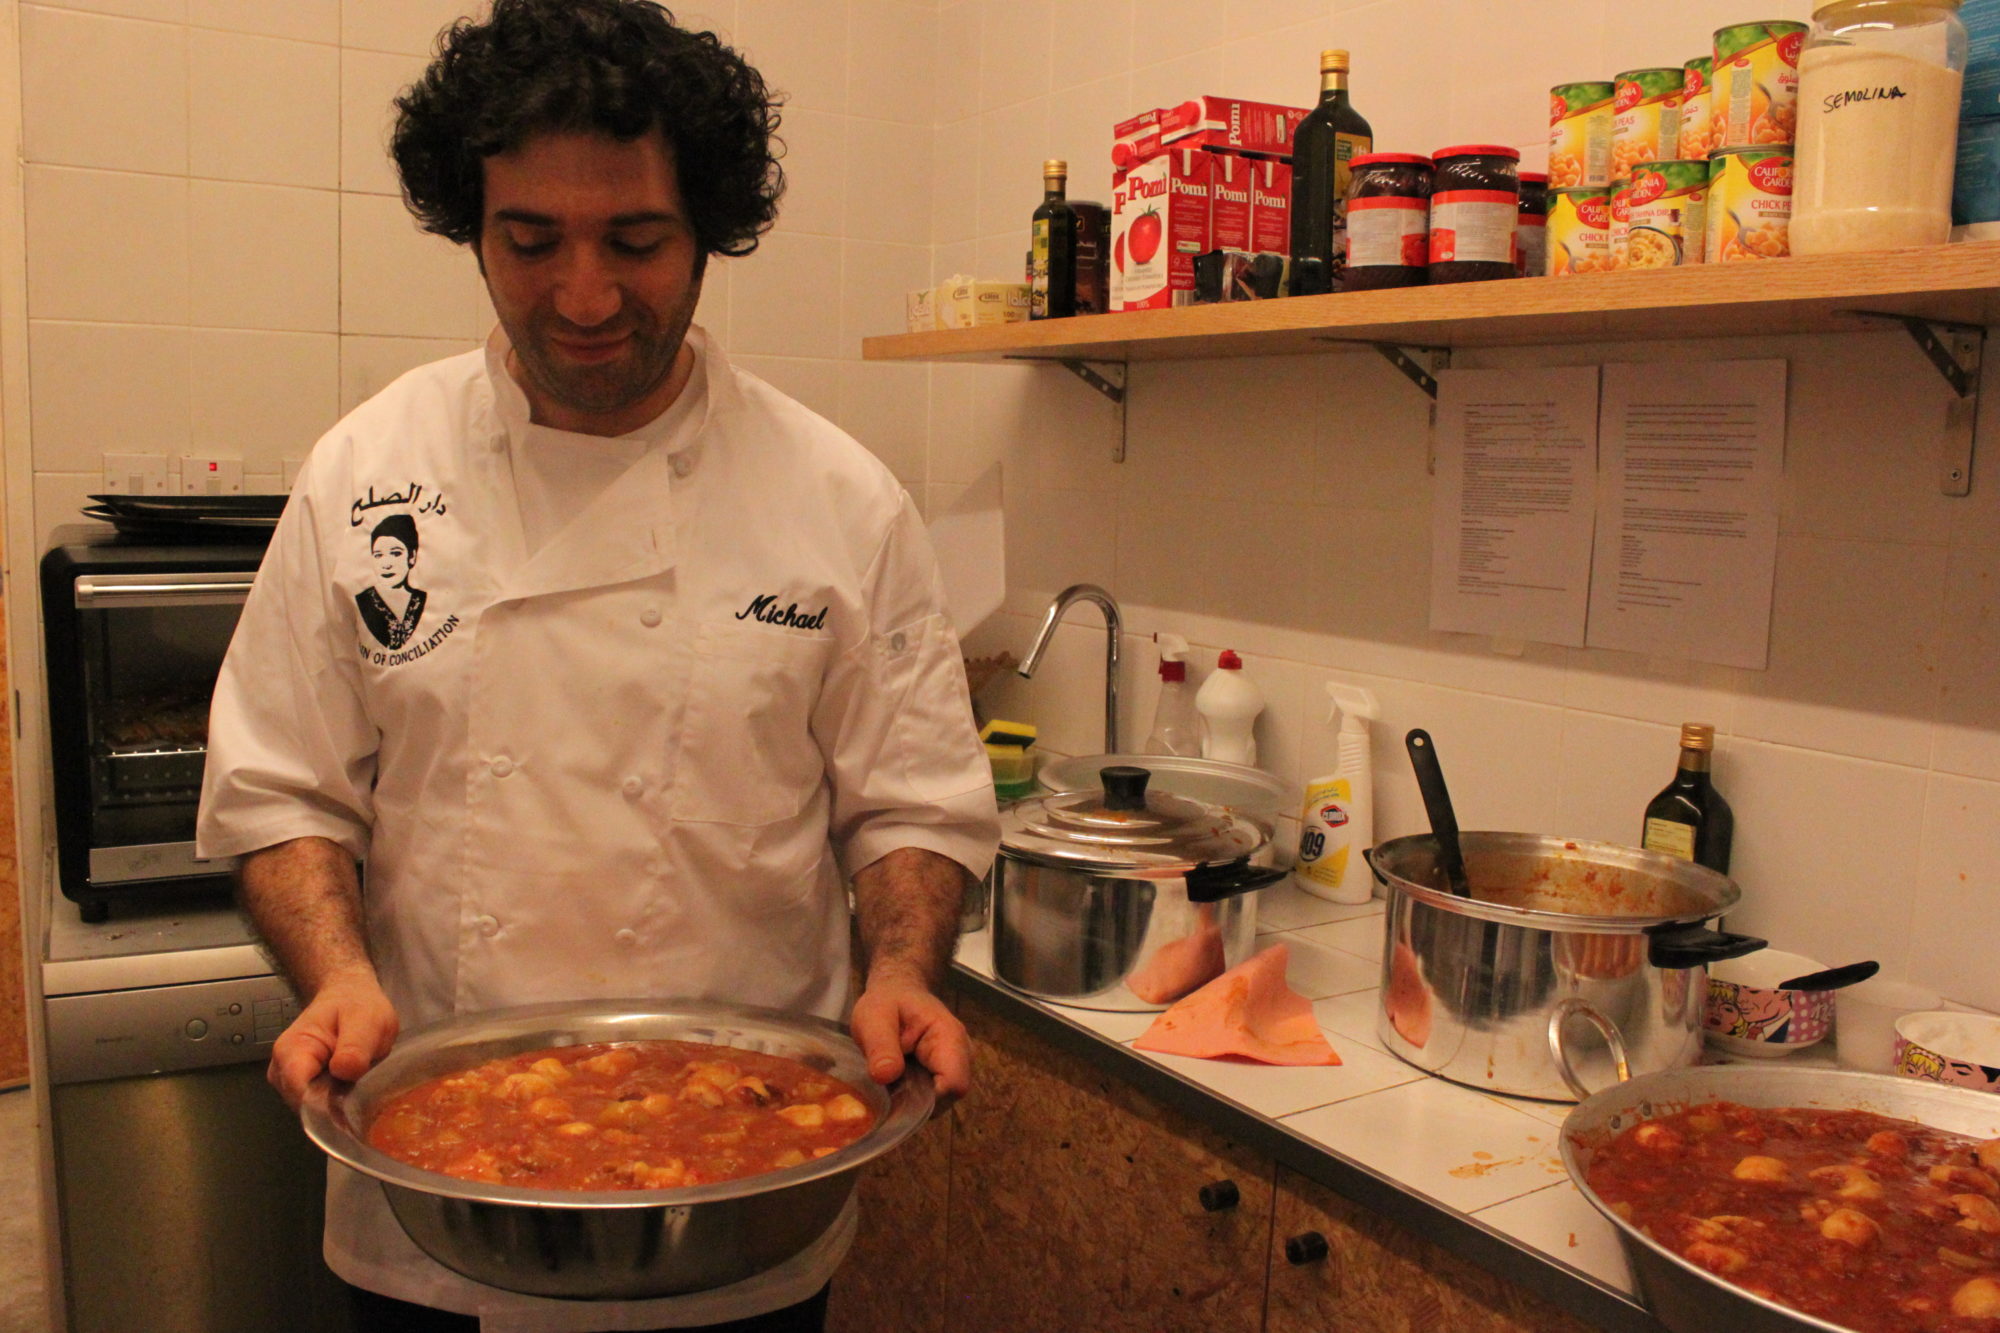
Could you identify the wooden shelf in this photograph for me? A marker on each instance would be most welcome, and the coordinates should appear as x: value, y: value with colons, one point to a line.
x: 1817, y: 294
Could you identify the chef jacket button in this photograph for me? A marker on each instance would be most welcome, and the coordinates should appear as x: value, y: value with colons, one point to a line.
x: 682, y: 465
x: 897, y: 642
x: 488, y: 926
x: 627, y: 937
x: 632, y: 787
x: 650, y: 617
x: 502, y: 766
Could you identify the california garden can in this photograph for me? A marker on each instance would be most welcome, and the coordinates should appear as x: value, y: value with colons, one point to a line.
x: 1750, y: 204
x: 1697, y: 139
x: 1756, y: 83
x: 1621, y: 223
x: 1580, y: 117
x: 1646, y: 117
x: 1666, y: 207
x: 1579, y: 231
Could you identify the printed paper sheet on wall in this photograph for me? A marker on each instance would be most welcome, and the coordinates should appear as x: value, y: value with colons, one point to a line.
x: 1687, y: 527
x: 1516, y: 501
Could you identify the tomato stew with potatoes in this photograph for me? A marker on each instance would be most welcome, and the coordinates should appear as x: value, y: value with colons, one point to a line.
x: 630, y: 1115
x: 1855, y: 1218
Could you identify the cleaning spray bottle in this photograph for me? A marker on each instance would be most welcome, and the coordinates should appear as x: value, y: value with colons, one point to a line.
x: 1229, y: 702
x: 1338, y: 821
x: 1176, y: 726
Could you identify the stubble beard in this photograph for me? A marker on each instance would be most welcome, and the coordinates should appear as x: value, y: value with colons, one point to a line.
x: 648, y: 362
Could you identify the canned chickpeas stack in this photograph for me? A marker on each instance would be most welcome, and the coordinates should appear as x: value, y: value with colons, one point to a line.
x: 1666, y: 166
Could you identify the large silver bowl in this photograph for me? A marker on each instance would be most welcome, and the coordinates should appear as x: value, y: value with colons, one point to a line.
x: 614, y: 1244
x: 1684, y: 1296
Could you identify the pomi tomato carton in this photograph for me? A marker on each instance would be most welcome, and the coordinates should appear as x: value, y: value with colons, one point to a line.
x: 1162, y: 225
x: 1229, y: 201
x: 1230, y: 122
x: 1270, y: 207
x: 1135, y: 139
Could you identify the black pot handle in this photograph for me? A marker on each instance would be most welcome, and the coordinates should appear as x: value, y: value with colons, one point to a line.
x: 1691, y: 944
x: 1214, y: 882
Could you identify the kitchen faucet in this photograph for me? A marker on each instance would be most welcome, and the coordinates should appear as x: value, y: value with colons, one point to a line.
x: 1113, y: 628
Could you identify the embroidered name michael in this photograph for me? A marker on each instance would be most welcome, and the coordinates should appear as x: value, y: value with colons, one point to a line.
x: 767, y: 610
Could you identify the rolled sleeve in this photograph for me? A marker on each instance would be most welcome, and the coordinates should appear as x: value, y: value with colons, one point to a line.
x: 895, y: 722
x: 291, y: 749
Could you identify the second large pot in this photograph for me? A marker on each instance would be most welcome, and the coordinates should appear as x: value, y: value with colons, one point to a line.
x: 1556, y: 929
x: 1123, y: 898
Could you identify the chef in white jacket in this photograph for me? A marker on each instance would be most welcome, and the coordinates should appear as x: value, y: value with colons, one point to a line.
x: 611, y: 664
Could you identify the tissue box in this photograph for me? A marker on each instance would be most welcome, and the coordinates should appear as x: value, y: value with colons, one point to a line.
x: 971, y: 303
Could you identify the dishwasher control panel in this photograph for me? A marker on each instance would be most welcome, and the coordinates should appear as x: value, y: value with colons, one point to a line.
x: 158, y: 1029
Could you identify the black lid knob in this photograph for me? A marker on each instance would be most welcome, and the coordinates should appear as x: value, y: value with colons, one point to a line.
x: 1308, y: 1247
x: 1124, y: 786
x: 1218, y: 1195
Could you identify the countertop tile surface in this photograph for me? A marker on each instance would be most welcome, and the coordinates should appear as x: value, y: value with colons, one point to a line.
x: 1560, y: 1222
x: 1318, y: 972
x: 1459, y: 1147
x: 1280, y: 1090
x: 1358, y: 935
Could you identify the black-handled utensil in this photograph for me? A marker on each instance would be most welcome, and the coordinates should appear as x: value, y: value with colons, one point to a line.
x: 1437, y: 801
x: 1833, y: 978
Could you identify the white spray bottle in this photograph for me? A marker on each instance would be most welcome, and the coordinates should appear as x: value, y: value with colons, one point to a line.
x: 1176, y: 726
x: 1337, y: 823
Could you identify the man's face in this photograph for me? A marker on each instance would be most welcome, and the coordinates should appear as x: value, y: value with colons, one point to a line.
x: 594, y: 272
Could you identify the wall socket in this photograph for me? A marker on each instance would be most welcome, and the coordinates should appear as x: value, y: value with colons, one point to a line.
x: 135, y: 474
x: 211, y: 476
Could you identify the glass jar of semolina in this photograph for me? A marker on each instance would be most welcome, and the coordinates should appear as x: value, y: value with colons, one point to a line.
x: 1879, y: 88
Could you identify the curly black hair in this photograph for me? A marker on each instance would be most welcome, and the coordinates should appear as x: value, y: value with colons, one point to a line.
x: 618, y: 67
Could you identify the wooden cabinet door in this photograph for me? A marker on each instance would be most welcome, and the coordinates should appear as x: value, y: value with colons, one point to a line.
x: 893, y: 1280
x: 1075, y: 1202
x: 1375, y: 1277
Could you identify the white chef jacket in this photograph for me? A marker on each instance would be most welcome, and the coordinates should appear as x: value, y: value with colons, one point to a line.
x: 637, y: 762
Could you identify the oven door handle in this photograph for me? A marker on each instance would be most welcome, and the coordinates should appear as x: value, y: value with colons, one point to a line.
x: 116, y: 591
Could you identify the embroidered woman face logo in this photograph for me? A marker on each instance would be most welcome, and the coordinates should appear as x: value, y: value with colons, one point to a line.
x: 392, y: 607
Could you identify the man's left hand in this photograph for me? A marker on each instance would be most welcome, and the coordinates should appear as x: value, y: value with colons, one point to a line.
x: 898, y: 1016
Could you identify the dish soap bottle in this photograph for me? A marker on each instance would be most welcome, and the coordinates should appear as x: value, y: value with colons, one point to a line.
x: 1689, y: 819
x: 1338, y: 821
x: 1229, y: 702
x: 1176, y: 726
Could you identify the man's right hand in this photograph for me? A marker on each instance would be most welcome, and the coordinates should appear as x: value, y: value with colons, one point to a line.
x: 348, y: 1026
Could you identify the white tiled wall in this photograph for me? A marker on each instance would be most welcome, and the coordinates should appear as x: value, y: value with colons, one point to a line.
x: 220, y: 261
x: 1282, y: 507
x: 217, y: 257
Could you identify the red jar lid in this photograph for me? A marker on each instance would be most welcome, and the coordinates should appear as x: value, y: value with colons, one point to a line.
x: 1407, y: 159
x: 1535, y: 178
x: 1479, y: 150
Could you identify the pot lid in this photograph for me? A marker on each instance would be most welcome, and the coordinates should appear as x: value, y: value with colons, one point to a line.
x: 1121, y: 826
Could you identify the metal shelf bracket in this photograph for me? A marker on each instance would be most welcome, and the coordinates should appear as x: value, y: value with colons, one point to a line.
x: 1956, y: 350
x: 1109, y: 388
x: 1419, y: 364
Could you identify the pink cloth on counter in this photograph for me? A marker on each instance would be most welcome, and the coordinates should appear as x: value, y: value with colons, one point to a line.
x: 1246, y: 1013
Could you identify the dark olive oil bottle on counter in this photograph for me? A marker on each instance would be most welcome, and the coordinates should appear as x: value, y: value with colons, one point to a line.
x: 1053, y: 294
x: 1689, y: 819
x: 1331, y: 136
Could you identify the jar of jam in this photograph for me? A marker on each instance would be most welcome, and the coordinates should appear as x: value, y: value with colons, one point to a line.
x: 1475, y: 208
x: 1531, y: 226
x: 1388, y: 222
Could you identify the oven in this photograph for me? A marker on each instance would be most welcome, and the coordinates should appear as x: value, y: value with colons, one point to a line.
x: 135, y: 633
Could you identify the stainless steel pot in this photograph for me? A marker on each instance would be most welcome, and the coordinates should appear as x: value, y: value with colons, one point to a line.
x: 1123, y: 898
x: 1470, y: 985
x: 614, y: 1244
x: 1687, y: 1298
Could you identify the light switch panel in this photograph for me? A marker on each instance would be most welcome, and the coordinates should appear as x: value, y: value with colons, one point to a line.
x: 135, y: 474
x: 211, y: 476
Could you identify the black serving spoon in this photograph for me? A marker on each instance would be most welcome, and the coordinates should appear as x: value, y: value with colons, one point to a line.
x: 1437, y: 800
x: 1833, y: 978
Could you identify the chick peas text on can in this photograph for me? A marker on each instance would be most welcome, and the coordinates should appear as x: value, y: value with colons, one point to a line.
x: 1621, y: 223
x: 1646, y: 117
x: 1580, y: 116
x: 1755, y: 93
x: 1698, y: 123
x: 1579, y: 231
x: 1749, y: 204
x: 1666, y: 206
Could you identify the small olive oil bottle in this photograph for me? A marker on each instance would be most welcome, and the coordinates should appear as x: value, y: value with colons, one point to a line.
x: 1689, y: 819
